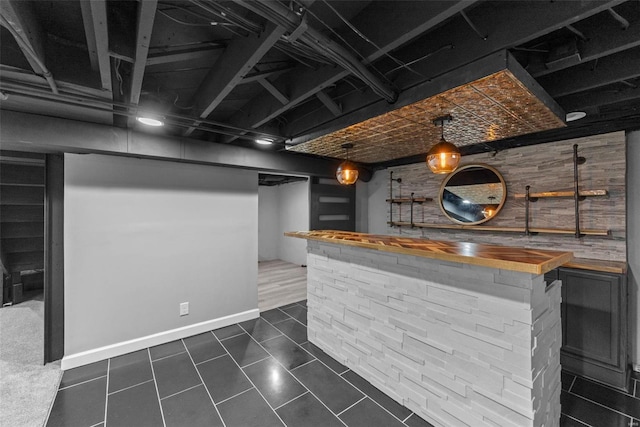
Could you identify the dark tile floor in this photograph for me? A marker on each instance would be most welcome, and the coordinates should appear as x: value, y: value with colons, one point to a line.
x: 265, y: 373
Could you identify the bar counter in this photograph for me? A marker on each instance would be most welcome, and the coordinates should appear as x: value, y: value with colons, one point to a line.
x: 462, y: 334
x: 525, y: 260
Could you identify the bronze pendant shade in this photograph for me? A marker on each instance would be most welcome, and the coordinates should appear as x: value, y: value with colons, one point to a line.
x: 347, y: 172
x: 443, y: 157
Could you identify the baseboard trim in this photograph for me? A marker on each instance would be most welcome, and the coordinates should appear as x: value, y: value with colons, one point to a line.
x: 113, y: 350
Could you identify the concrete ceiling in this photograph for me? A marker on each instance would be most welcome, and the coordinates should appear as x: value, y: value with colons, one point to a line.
x: 293, y: 71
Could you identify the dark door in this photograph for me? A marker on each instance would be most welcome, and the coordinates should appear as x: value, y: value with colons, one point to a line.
x: 333, y: 206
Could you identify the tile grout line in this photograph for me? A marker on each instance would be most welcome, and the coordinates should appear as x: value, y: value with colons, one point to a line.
x: 607, y: 387
x: 166, y: 357
x: 257, y: 361
x: 181, y: 391
x: 106, y: 397
x: 202, y: 381
x: 249, y: 379
x: 309, y: 353
x: 344, y: 379
x: 575, y: 419
x: 364, y: 396
x: 572, y: 383
x: 209, y: 360
x: 408, y: 416
x: 155, y: 383
x: 300, y: 382
x: 83, y: 382
x: 235, y: 395
x: 228, y: 338
x: 289, y: 401
x: 304, y: 364
x: 600, y: 404
x: 374, y: 400
x: 127, y: 388
x: 97, y: 424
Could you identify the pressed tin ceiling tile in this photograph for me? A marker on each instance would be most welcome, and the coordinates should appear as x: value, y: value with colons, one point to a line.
x: 490, y: 108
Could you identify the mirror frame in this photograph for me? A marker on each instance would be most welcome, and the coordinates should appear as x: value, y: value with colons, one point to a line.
x: 462, y: 168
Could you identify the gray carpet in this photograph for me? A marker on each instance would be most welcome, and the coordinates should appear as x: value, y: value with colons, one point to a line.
x: 27, y: 387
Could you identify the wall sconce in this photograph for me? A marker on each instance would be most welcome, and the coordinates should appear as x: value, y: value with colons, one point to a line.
x: 347, y: 172
x: 443, y: 157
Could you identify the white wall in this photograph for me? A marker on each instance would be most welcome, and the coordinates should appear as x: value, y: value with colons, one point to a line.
x: 294, y: 216
x: 268, y: 223
x: 283, y: 208
x: 633, y: 243
x: 378, y: 192
x: 362, y: 207
x: 142, y: 236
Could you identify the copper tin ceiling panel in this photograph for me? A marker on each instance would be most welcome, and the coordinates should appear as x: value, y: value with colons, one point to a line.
x: 493, y: 107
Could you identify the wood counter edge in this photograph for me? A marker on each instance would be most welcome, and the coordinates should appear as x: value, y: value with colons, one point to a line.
x: 603, y: 266
x: 523, y: 267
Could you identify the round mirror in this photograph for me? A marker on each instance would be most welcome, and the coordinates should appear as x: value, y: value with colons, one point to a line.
x: 473, y: 194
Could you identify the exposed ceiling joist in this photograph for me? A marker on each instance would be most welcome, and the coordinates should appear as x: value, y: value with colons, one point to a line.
x: 601, y: 43
x: 258, y: 75
x: 94, y: 16
x: 273, y: 90
x: 394, y: 30
x: 585, y: 101
x: 329, y: 103
x: 611, y: 69
x: 146, y: 16
x: 21, y: 18
x: 512, y: 24
x: 182, y: 55
x: 241, y: 55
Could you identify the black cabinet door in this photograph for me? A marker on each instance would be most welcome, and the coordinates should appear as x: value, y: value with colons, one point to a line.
x: 594, y: 325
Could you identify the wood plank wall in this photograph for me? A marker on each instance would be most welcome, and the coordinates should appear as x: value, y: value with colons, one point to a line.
x: 545, y: 167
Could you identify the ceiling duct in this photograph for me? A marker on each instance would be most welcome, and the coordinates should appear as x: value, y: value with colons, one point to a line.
x: 564, y: 55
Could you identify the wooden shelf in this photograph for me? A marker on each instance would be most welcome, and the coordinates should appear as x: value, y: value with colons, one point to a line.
x: 408, y: 200
x: 588, y: 232
x: 583, y: 193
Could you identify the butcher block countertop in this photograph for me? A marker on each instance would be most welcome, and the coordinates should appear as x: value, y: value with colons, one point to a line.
x: 535, y: 261
x: 617, y: 267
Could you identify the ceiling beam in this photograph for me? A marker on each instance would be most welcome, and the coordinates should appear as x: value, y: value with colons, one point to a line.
x: 182, y: 55
x: 610, y: 69
x: 146, y: 17
x: 240, y: 56
x: 511, y: 23
x: 273, y: 90
x: 601, y: 42
x: 588, y: 100
x: 20, y: 16
x: 395, y: 29
x: 326, y: 100
x: 257, y: 75
x: 94, y: 16
x: 32, y: 132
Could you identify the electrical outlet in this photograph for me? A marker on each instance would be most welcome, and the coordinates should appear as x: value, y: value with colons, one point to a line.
x: 184, y: 308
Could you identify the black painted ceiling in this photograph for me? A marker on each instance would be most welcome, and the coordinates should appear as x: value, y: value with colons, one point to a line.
x: 233, y: 71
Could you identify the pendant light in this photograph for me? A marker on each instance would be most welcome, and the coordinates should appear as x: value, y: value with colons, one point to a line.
x: 443, y: 157
x: 347, y: 172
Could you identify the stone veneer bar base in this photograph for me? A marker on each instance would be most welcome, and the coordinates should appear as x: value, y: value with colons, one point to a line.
x: 458, y: 344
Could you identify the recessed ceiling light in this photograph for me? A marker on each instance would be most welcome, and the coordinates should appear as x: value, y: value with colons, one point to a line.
x: 264, y: 141
x: 575, y: 115
x: 149, y: 121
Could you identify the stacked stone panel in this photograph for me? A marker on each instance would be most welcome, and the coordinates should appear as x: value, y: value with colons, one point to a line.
x: 460, y: 345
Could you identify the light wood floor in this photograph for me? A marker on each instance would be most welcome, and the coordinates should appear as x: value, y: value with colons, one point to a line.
x: 280, y: 283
